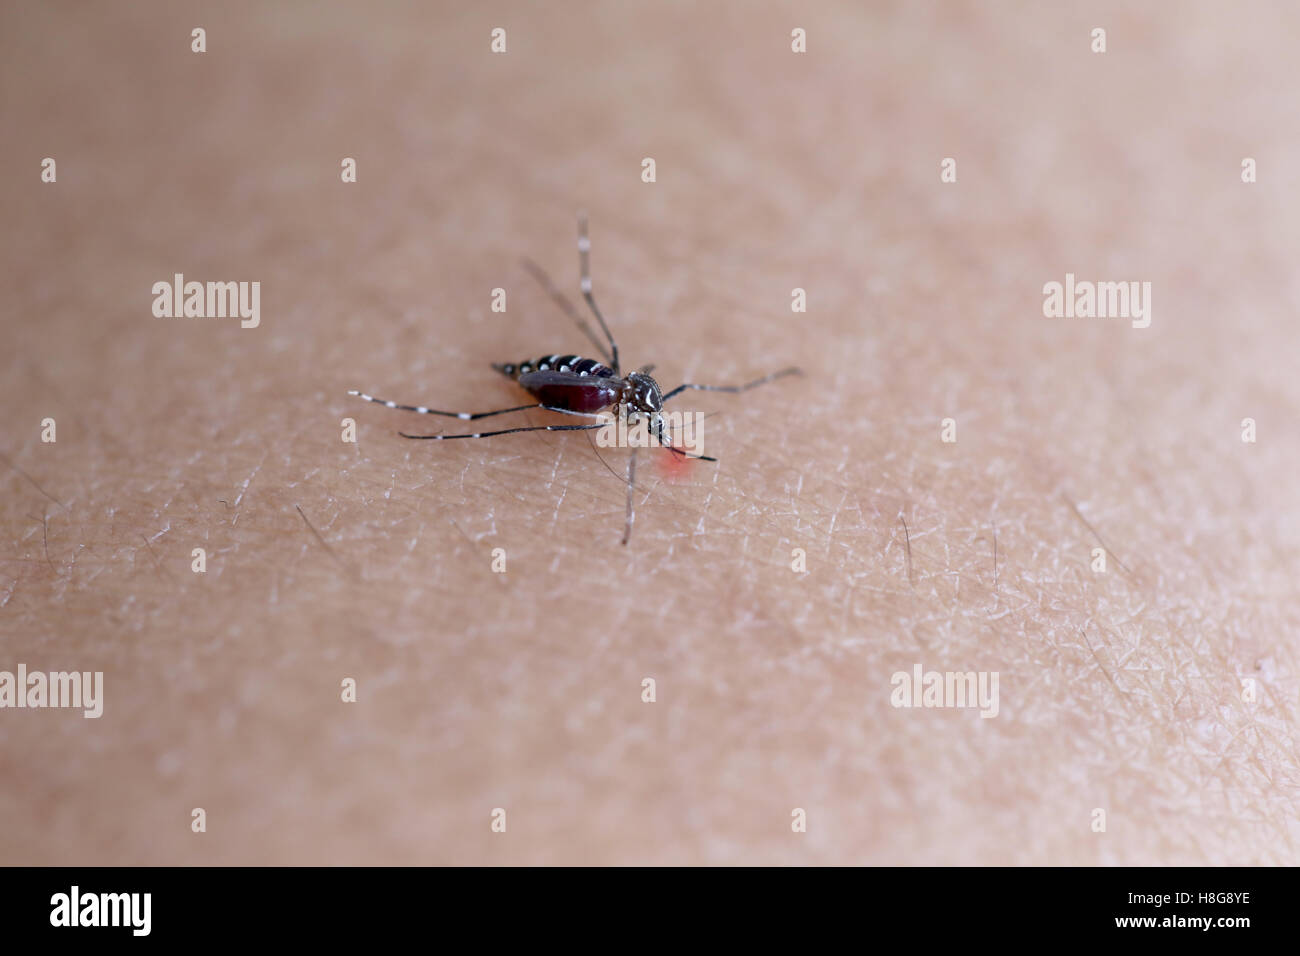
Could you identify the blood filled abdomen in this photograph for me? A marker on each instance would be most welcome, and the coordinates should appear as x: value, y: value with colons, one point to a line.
x: 589, y: 396
x: 571, y: 382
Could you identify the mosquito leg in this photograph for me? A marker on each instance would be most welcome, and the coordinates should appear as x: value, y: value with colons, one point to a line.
x: 631, y: 489
x: 511, y: 431
x: 463, y: 416
x: 569, y: 411
x: 736, y: 388
x: 584, y: 272
x: 560, y: 299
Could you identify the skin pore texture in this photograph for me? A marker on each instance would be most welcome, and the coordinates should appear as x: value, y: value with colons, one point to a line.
x: 1162, y: 691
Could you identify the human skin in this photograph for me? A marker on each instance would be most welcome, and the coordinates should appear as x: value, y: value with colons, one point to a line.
x: 1120, y: 690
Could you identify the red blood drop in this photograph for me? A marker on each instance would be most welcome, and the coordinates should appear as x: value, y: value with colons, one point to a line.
x: 672, y: 467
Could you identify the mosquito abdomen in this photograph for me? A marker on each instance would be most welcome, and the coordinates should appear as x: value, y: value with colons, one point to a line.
x: 560, y: 363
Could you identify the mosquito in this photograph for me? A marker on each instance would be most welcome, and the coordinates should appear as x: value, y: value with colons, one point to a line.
x: 573, y: 385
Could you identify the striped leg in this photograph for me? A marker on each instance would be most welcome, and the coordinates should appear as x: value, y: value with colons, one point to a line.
x: 463, y: 416
x: 631, y: 488
x: 511, y: 431
x: 736, y: 388
x: 584, y: 271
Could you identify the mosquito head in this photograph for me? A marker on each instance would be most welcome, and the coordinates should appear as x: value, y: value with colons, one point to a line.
x: 641, y: 397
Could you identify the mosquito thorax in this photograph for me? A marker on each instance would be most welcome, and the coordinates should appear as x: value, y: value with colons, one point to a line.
x: 641, y: 393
